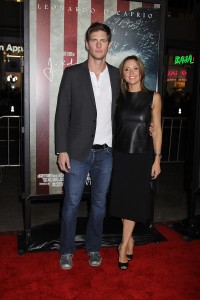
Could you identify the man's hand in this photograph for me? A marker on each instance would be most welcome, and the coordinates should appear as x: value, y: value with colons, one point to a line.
x: 63, y: 161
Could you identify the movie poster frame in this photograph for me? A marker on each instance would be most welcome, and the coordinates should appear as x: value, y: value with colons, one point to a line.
x: 27, y: 197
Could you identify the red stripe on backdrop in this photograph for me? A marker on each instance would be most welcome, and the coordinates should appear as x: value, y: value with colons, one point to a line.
x: 42, y: 93
x: 146, y: 4
x: 97, y: 14
x: 70, y: 32
x: 122, y: 5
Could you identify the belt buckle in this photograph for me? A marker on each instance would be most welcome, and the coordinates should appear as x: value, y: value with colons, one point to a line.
x: 105, y: 146
x: 98, y: 147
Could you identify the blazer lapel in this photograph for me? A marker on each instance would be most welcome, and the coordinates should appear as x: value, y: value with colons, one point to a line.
x: 113, y: 87
x: 87, y: 81
x: 88, y: 84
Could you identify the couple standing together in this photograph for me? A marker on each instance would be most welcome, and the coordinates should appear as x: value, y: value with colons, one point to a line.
x: 91, y: 109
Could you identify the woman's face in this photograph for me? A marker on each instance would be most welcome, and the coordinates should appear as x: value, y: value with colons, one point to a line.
x: 131, y: 72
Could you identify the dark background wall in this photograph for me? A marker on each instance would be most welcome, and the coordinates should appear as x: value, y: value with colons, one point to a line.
x: 11, y: 18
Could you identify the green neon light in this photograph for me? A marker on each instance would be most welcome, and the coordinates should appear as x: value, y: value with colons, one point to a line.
x: 188, y: 59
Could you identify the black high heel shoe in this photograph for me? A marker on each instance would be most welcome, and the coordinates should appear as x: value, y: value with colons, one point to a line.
x: 121, y: 265
x: 129, y: 256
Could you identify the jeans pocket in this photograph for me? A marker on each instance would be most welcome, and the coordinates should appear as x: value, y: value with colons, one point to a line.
x: 109, y: 150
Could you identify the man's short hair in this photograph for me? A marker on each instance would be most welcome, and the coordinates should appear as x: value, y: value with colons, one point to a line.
x: 97, y: 27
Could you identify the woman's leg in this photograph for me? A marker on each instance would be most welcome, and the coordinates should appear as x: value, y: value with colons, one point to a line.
x: 130, y: 246
x: 129, y: 250
x: 128, y: 227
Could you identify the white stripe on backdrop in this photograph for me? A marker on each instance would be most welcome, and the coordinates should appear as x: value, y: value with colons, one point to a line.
x: 32, y: 79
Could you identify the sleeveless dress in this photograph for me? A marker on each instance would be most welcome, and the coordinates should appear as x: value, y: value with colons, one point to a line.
x: 131, y: 196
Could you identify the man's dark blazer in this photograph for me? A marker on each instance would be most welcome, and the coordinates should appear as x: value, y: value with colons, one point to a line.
x: 75, y: 119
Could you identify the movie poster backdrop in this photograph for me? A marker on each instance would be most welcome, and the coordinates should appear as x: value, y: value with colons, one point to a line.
x: 56, y: 41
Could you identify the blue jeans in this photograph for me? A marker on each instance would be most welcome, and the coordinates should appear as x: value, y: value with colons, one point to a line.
x: 99, y: 165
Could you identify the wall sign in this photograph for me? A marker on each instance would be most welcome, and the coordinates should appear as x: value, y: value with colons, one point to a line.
x: 181, y: 60
x: 11, y: 48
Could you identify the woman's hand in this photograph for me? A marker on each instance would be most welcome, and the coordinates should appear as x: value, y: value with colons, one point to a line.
x: 155, y: 171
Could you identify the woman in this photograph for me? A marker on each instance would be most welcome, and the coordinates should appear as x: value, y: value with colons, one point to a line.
x: 137, y: 154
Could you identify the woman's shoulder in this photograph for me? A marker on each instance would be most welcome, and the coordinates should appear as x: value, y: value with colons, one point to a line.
x: 153, y: 94
x: 156, y: 95
x: 121, y: 97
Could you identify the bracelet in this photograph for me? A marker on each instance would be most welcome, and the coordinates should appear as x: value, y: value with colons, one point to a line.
x: 158, y: 154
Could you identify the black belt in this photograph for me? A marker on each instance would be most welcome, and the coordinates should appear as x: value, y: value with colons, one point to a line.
x: 97, y: 146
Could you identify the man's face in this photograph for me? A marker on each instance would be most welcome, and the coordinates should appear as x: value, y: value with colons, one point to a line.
x: 98, y: 45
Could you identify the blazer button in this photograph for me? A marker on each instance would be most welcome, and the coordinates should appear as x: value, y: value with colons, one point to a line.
x: 92, y: 135
x: 94, y: 121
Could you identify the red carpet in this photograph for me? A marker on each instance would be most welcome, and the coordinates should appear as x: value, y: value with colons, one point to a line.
x: 169, y: 270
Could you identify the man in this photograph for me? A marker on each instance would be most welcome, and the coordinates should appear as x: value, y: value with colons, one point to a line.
x: 83, y: 138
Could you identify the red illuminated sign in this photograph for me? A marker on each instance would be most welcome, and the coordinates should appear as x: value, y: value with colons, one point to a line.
x: 177, y: 75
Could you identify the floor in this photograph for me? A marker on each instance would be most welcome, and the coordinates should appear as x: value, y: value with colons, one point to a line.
x: 170, y: 200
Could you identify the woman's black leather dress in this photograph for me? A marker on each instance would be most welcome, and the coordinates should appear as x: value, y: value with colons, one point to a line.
x: 131, y: 196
